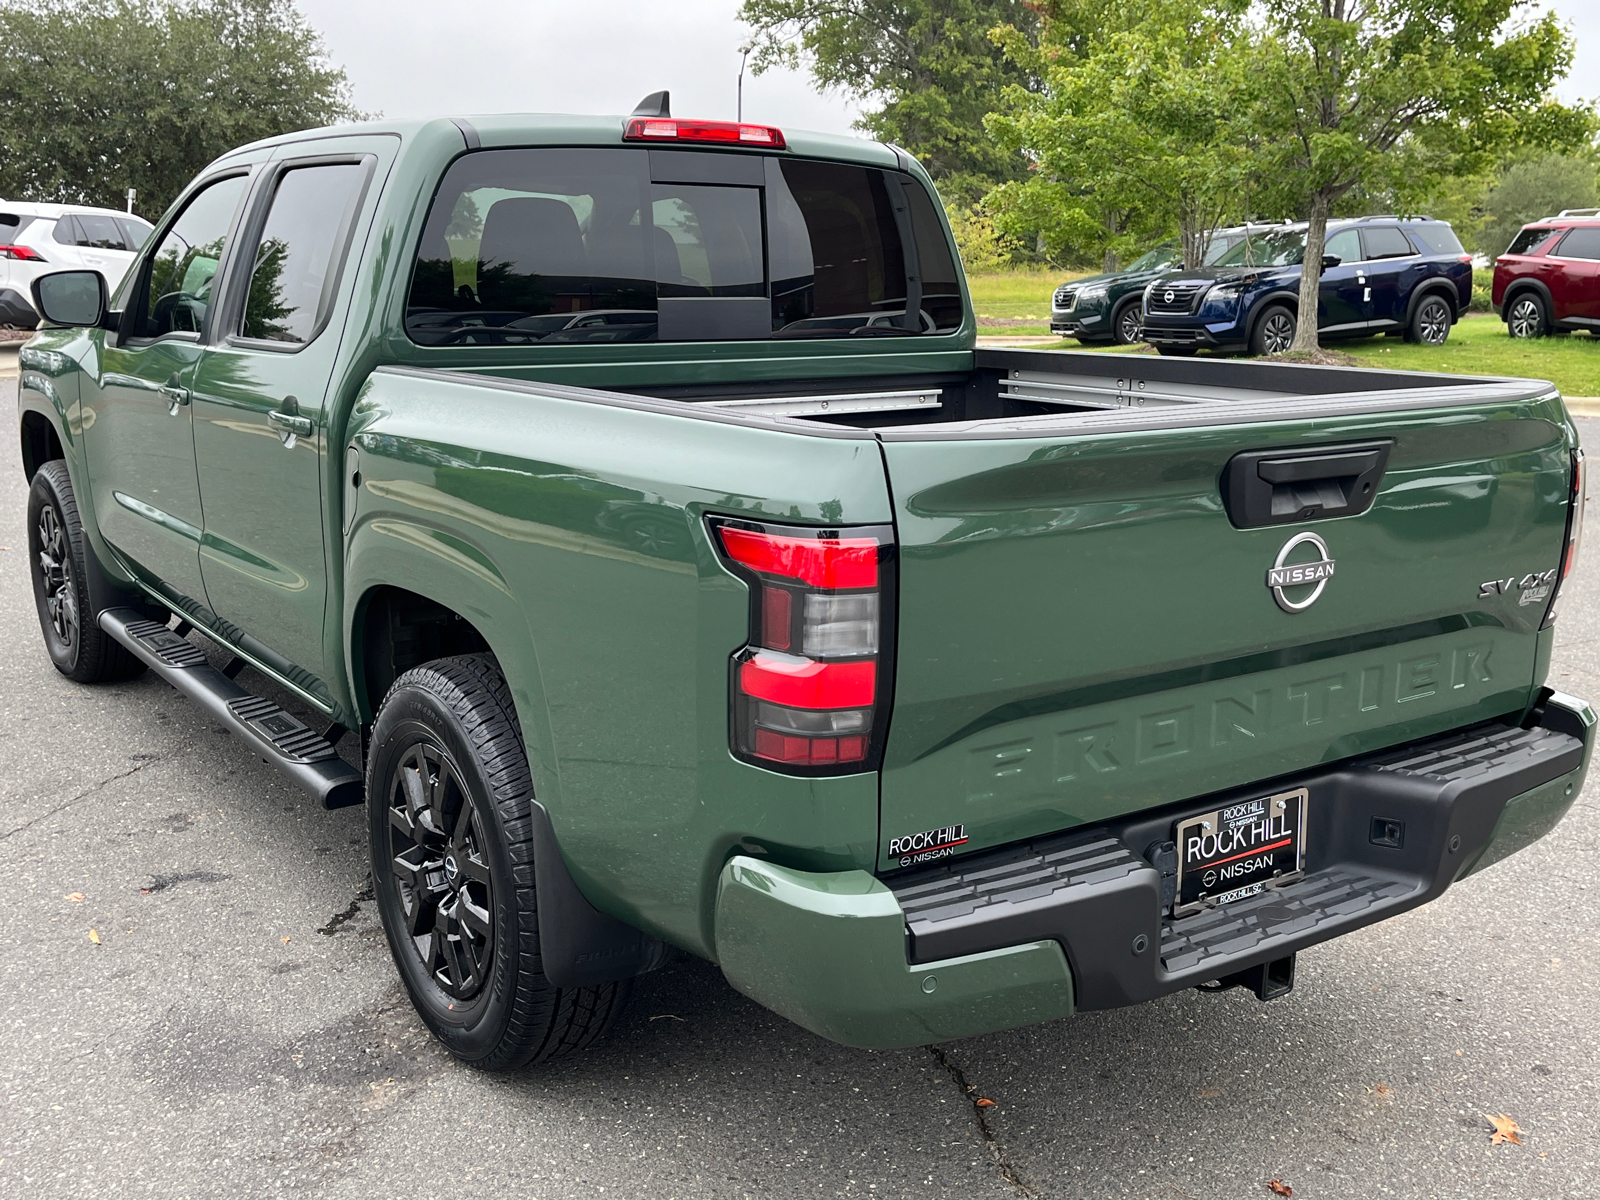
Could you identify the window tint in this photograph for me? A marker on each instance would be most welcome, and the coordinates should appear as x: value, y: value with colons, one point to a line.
x: 579, y: 245
x: 135, y: 231
x: 1437, y: 238
x: 99, y: 231
x: 1580, y: 243
x: 64, y: 234
x: 1527, y: 240
x: 177, y: 285
x: 1346, y: 244
x: 298, y: 253
x: 1385, y: 241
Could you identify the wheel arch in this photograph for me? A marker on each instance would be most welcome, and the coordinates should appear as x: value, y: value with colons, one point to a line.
x: 1289, y: 300
x: 1517, y: 287
x: 41, y: 441
x: 1443, y: 288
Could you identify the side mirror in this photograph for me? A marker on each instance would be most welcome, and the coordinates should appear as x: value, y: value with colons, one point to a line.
x: 72, y: 298
x: 1330, y: 260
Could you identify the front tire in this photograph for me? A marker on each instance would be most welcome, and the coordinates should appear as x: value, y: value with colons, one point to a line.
x: 449, y: 795
x: 1127, y: 326
x: 58, y: 563
x: 1430, y: 324
x: 1274, y: 332
x: 1526, y: 317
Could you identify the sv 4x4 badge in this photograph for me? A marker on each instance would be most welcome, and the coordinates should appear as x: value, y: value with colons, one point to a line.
x: 1534, y: 586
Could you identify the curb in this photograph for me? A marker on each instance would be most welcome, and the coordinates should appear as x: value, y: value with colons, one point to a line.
x: 1582, y: 406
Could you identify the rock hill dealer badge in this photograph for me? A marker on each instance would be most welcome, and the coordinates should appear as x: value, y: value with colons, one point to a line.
x: 1240, y: 851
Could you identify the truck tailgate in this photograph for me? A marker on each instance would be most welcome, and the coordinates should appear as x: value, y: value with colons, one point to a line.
x: 1083, y: 631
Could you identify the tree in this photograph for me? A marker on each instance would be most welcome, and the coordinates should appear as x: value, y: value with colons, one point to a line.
x: 1534, y: 187
x: 1135, y: 128
x: 97, y: 96
x: 1395, y: 95
x: 926, y: 67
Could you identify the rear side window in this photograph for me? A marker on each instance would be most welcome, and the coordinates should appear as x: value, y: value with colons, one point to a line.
x: 296, y: 261
x: 1385, y: 241
x: 1437, y: 238
x: 1580, y: 243
x: 99, y: 231
x: 12, y: 225
x: 586, y: 245
x: 1528, y: 240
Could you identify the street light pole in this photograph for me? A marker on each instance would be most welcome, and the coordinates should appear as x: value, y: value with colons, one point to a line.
x: 743, y: 55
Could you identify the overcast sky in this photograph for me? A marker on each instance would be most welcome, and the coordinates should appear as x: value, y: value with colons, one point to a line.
x: 408, y: 58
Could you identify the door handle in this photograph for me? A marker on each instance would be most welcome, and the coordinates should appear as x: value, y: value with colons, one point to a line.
x: 176, y: 397
x: 291, y: 423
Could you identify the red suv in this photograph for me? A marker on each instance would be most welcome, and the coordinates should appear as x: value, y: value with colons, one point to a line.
x: 1549, y: 277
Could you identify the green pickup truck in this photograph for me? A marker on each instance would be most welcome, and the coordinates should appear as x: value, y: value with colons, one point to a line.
x: 631, y: 492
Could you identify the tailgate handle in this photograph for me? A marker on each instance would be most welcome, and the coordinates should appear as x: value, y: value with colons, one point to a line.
x: 1275, y: 487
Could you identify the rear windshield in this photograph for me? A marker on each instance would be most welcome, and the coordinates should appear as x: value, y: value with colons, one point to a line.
x: 602, y: 245
x: 1437, y: 238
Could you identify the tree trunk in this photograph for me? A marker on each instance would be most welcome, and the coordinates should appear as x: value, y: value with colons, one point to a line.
x: 1112, y: 225
x: 1305, y: 333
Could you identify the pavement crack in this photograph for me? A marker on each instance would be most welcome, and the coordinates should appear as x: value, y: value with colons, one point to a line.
x: 83, y: 795
x: 980, y: 1115
x: 349, y: 912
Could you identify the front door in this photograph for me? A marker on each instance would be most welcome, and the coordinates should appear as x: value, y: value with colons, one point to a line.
x: 137, y: 422
x: 1342, y: 299
x: 261, y: 399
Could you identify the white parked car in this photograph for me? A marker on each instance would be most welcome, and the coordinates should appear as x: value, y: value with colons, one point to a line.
x: 35, y: 238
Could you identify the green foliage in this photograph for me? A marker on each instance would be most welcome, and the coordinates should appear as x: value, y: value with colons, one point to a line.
x: 1138, y: 128
x: 926, y: 69
x: 1393, y: 96
x: 1530, y: 189
x: 97, y: 96
x: 983, y: 247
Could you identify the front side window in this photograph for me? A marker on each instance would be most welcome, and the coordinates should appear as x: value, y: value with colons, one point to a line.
x: 1344, y: 245
x: 580, y: 245
x: 1580, y: 243
x: 177, y: 289
x: 297, y: 256
x: 1385, y: 241
x: 1162, y: 256
x: 135, y: 231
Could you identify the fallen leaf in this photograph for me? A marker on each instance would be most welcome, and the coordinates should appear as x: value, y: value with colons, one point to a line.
x: 985, y: 1103
x: 75, y: 897
x: 1505, y: 1130
x: 1382, y: 1089
x: 1279, y: 1188
x: 1210, y: 1093
x: 283, y: 939
x: 94, y: 936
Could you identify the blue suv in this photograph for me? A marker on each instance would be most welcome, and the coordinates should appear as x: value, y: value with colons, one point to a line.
x: 1398, y: 275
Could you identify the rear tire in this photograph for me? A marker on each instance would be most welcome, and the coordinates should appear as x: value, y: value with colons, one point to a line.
x: 59, y: 566
x: 1430, y: 324
x: 1274, y: 332
x: 1526, y: 316
x: 448, y: 801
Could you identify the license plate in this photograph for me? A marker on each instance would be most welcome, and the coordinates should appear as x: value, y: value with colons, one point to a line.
x: 1239, y: 851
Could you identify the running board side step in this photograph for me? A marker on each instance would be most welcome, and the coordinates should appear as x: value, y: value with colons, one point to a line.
x: 279, y: 738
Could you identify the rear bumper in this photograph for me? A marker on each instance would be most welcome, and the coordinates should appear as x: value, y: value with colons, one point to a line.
x: 1031, y: 932
x: 16, y: 309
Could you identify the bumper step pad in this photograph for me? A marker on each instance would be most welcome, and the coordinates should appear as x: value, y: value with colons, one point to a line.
x: 1091, y: 891
x: 277, y: 736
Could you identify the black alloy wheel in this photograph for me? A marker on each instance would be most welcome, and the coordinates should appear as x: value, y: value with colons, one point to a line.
x: 1128, y: 325
x: 1525, y: 318
x: 443, y: 885
x: 1430, y: 324
x: 450, y: 830
x: 1274, y: 333
x: 58, y: 564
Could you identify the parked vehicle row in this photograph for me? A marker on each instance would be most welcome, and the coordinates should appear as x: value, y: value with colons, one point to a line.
x: 1548, y: 280
x: 1404, y: 276
x: 35, y: 238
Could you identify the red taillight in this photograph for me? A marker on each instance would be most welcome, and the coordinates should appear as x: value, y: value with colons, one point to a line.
x: 809, y: 686
x: 23, y: 253
x: 718, y: 133
x: 1578, y: 498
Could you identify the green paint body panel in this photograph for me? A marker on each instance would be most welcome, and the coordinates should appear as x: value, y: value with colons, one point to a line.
x: 1081, y: 631
x: 828, y: 952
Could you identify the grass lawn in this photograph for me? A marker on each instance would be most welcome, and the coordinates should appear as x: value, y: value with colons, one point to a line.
x: 1014, y: 296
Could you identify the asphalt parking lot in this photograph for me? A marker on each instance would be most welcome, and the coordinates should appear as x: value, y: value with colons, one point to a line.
x: 237, y: 1029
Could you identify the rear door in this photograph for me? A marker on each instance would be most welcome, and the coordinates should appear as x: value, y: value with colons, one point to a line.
x: 1084, y: 631
x: 1392, y: 268
x: 1578, y: 257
